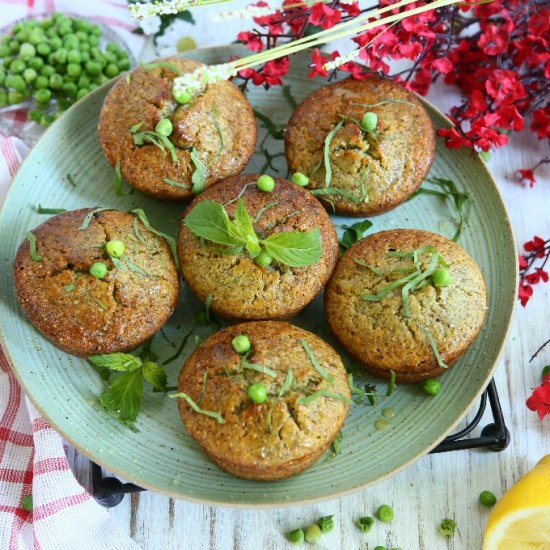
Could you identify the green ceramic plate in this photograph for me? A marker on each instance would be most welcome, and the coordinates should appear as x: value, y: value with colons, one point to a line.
x: 161, y: 456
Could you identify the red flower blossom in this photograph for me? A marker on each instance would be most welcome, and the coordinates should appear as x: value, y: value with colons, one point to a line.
x: 352, y: 9
x: 453, y: 138
x: 494, y: 40
x: 527, y: 174
x: 535, y: 245
x: 443, y: 65
x: 324, y: 16
x: 318, y: 62
x: 537, y: 276
x: 541, y: 123
x: 523, y: 264
x: 539, y: 401
x: 524, y: 293
x: 252, y: 41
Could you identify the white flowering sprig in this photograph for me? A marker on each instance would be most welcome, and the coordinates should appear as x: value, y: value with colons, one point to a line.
x: 149, y: 9
x: 195, y: 82
x: 243, y: 13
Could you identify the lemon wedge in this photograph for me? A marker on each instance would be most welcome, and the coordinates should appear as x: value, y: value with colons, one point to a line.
x: 521, y: 518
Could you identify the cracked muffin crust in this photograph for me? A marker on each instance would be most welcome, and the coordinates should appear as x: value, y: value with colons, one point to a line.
x: 376, y: 170
x: 248, y: 444
x: 84, y: 315
x: 219, y: 124
x: 239, y: 288
x: 377, y: 334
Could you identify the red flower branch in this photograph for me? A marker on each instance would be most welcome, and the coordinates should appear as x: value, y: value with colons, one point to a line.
x: 531, y: 267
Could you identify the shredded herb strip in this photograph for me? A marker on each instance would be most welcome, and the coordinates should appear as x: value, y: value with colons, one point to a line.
x: 337, y: 192
x: 117, y: 182
x: 42, y: 210
x: 241, y: 193
x: 433, y: 345
x: 285, y: 388
x: 392, y: 386
x: 151, y: 136
x: 32, y: 244
x: 328, y: 140
x: 175, y: 183
x: 199, y: 175
x: 358, y: 391
x: 70, y: 287
x: 135, y: 268
x: 263, y: 210
x: 323, y: 392
x: 413, y: 284
x: 385, y: 102
x: 170, y: 240
x: 162, y: 65
x: 139, y: 235
x: 207, y: 304
x: 212, y: 414
x: 316, y: 365
x: 336, y: 446
x: 118, y: 264
x: 448, y: 190
x: 258, y: 368
x: 213, y: 115
x: 89, y: 217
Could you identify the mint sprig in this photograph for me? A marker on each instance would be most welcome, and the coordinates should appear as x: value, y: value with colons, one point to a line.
x: 210, y: 221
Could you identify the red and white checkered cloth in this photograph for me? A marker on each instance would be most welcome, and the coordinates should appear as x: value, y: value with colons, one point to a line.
x: 32, y: 458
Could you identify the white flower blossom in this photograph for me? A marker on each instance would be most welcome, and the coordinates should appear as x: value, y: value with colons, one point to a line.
x: 244, y: 13
x: 167, y: 42
x: 340, y: 60
x: 143, y: 10
x: 150, y: 25
x: 196, y: 82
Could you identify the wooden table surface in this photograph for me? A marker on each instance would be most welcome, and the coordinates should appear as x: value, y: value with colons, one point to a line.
x: 436, y: 486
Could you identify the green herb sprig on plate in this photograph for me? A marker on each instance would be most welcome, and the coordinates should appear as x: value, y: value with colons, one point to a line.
x: 210, y: 221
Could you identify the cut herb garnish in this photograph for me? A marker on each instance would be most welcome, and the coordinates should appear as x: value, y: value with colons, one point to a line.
x: 285, y: 388
x: 213, y: 115
x: 323, y: 392
x: 326, y: 154
x: 199, y: 175
x: 89, y: 217
x: 384, y: 102
x: 32, y: 245
x: 212, y: 414
x: 392, y: 386
x: 69, y: 287
x: 157, y: 139
x: 162, y: 65
x: 447, y: 189
x: 315, y: 362
x: 117, y: 182
x: 433, y: 345
x: 170, y: 240
x: 353, y: 233
x: 134, y: 267
x: 122, y: 398
x: 369, y: 391
x: 175, y: 183
x: 209, y: 220
x: 245, y: 364
x: 41, y: 210
x: 207, y: 305
x: 324, y: 191
x: 336, y: 447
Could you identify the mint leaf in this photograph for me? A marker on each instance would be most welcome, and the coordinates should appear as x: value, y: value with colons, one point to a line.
x: 353, y: 233
x: 210, y: 221
x: 295, y: 248
x: 123, y: 362
x: 155, y: 375
x: 199, y: 175
x: 123, y: 396
x: 242, y: 229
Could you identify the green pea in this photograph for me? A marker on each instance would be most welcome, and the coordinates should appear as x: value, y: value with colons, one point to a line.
x: 47, y: 70
x: 266, y: 183
x: 41, y: 82
x: 51, y: 33
x: 2, y: 75
x: 43, y: 95
x: 263, y: 259
x: 365, y: 523
x: 27, y: 50
x: 369, y: 121
x: 182, y: 96
x: 98, y: 270
x: 124, y: 65
x: 29, y: 75
x: 257, y: 393
x: 56, y: 43
x: 326, y: 523
x: 385, y: 513
x: 82, y: 36
x: 313, y: 534
x: 241, y: 343
x: 56, y: 81
x: 296, y: 537
x: 95, y: 30
x: 15, y: 97
x: 85, y: 57
x: 93, y: 68
x: 17, y: 66
x: 112, y: 47
x: 14, y: 46
x: 110, y: 57
x: 85, y: 47
x: 545, y: 371
x: 70, y: 41
x: 4, y: 50
x: 380, y: 548
x: 447, y: 527
x: 431, y: 387
x: 16, y: 82
x: 37, y: 37
x: 73, y: 69
x: 115, y: 248
x: 441, y: 277
x: 61, y: 56
x: 3, y: 98
x: 487, y: 498
x: 64, y: 28
x: 81, y: 26
x: 74, y: 56
x: 36, y: 63
x: 93, y: 40
x: 164, y: 127
x: 300, y: 179
x: 111, y: 70
x: 46, y: 24
x: 70, y: 89
x: 83, y: 82
x: 82, y: 92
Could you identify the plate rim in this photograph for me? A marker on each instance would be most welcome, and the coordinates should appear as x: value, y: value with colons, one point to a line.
x: 279, y: 504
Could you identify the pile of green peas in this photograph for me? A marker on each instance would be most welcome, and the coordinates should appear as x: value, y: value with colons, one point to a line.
x: 55, y: 59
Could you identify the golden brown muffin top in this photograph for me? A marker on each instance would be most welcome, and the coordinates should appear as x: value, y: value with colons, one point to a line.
x: 377, y: 332
x: 85, y: 315
x: 280, y: 430
x: 379, y: 169
x: 218, y: 124
x: 239, y: 287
